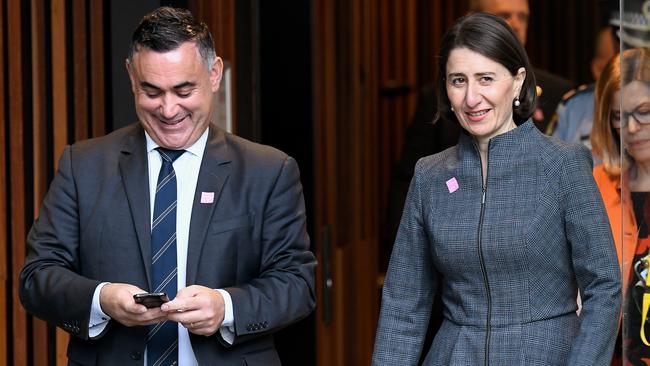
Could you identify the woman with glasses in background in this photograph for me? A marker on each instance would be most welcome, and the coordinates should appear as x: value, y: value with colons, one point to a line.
x: 623, y: 114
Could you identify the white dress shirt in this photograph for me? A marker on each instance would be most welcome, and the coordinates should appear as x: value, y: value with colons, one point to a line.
x: 187, y: 168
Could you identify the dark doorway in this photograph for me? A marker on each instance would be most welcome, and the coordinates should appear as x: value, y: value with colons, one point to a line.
x: 286, y: 121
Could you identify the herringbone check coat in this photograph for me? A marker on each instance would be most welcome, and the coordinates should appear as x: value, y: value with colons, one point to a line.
x: 510, y: 268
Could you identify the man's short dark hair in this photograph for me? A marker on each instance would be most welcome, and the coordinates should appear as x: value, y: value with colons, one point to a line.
x: 166, y: 28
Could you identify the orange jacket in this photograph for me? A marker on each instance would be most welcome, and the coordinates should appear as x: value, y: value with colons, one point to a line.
x: 621, y: 219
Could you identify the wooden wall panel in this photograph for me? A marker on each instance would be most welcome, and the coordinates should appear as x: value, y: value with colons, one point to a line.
x: 97, y: 68
x: 39, y: 147
x: 39, y: 102
x: 5, y: 283
x: 16, y: 88
x: 80, y: 69
x: 38, y: 85
x: 59, y: 77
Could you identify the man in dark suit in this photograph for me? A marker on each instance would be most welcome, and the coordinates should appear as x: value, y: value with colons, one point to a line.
x: 171, y: 204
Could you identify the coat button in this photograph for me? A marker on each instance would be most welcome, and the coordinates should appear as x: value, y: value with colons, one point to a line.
x: 136, y: 355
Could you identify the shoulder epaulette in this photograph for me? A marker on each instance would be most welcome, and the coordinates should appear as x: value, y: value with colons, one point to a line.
x: 577, y: 91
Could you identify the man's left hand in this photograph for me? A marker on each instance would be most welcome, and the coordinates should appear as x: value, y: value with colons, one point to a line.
x: 200, y: 309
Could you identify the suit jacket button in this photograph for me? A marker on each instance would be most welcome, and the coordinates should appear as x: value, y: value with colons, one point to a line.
x: 136, y: 355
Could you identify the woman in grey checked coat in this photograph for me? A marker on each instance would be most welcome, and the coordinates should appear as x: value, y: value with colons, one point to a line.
x: 506, y: 226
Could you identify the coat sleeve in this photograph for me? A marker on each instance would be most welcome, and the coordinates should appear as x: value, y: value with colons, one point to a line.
x: 50, y: 286
x: 594, y: 261
x: 283, y: 292
x: 409, y: 288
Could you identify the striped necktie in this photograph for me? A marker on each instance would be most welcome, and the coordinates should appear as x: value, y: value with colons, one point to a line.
x: 162, y: 343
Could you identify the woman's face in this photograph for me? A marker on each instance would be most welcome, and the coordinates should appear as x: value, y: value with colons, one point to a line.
x: 631, y: 112
x: 481, y: 92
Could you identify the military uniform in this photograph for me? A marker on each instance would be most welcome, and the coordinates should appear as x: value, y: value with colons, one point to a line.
x: 575, y: 115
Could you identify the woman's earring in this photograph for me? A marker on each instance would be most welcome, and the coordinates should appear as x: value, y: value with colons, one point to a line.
x: 517, y: 103
x: 452, y: 109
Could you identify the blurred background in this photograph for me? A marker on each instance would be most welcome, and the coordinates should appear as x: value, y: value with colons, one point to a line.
x: 334, y: 83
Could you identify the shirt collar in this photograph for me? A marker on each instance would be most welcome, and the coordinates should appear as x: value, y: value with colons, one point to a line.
x: 196, y: 149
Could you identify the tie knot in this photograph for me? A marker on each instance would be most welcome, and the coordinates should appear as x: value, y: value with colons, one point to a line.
x: 169, y: 155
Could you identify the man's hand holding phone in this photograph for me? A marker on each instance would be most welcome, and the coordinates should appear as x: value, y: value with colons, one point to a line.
x: 117, y: 300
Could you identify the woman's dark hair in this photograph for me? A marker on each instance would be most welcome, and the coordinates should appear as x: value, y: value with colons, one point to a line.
x: 490, y: 36
x: 166, y: 28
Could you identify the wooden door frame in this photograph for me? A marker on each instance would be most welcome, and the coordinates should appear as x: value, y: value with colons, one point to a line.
x: 347, y: 216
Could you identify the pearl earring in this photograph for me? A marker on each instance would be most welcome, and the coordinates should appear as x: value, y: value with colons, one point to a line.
x: 517, y: 103
x: 452, y: 109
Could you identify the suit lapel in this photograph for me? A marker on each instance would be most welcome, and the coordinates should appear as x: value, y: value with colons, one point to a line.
x: 215, y: 169
x: 135, y: 175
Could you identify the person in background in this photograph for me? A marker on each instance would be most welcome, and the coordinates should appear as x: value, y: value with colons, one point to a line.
x: 171, y: 204
x: 575, y: 112
x: 631, y: 28
x: 624, y: 182
x: 423, y: 137
x: 506, y: 226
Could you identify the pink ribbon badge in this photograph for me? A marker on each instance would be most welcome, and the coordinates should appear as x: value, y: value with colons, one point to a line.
x: 452, y: 185
x: 207, y: 197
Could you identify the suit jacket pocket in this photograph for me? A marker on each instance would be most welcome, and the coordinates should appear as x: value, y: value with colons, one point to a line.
x: 221, y: 225
x: 267, y: 357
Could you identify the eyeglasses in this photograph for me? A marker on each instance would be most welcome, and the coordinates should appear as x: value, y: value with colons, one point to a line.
x: 619, y: 120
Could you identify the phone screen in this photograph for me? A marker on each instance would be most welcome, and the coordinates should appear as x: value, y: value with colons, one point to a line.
x: 151, y: 300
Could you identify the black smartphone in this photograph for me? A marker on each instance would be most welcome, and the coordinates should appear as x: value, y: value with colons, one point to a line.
x: 152, y: 299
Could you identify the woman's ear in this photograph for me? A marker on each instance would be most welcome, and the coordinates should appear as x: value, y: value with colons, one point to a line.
x: 519, y: 80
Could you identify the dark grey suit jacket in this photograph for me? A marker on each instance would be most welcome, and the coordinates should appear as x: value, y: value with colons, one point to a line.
x: 94, y: 226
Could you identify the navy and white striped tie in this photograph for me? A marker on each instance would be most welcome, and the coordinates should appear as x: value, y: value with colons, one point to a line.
x: 162, y: 343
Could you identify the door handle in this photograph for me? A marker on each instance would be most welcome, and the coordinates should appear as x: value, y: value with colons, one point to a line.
x: 326, y: 278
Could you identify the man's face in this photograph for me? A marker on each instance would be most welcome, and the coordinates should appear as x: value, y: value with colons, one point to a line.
x: 515, y: 12
x: 173, y: 93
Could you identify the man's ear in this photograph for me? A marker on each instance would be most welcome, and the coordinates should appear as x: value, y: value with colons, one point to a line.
x: 216, y: 72
x: 129, y: 70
